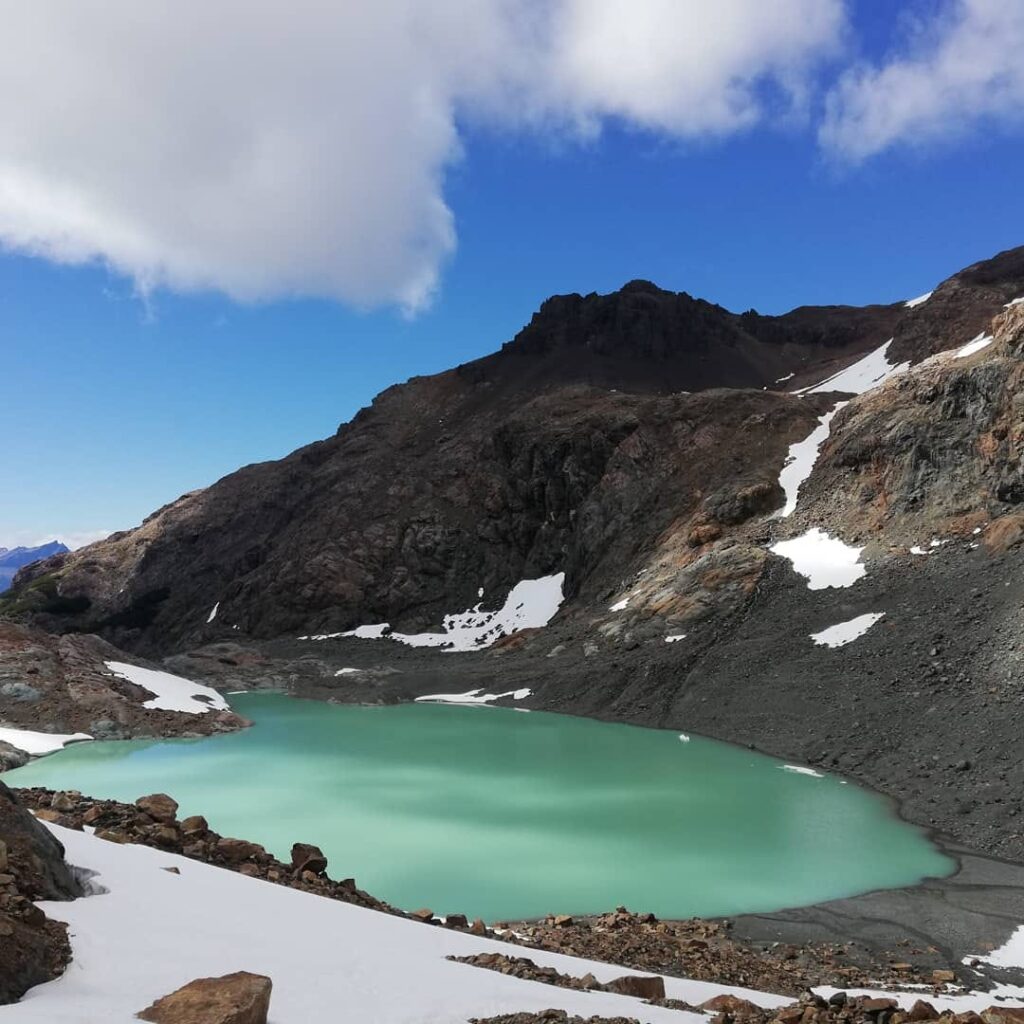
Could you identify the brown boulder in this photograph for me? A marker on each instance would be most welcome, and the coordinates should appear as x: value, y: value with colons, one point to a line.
x: 306, y: 857
x: 194, y: 825
x: 159, y: 806
x: 942, y: 977
x: 424, y: 915
x: 878, y: 1005
x: 240, y: 998
x: 726, y: 1003
x: 639, y: 985
x: 234, y: 851
x: 1003, y: 1015
x: 922, y: 1010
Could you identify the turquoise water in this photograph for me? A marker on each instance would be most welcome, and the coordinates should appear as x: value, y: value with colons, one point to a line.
x: 499, y: 814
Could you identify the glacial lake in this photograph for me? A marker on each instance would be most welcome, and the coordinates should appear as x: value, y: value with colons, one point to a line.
x: 500, y: 814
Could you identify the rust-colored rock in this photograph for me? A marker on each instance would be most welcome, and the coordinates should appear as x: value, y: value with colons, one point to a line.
x: 306, y: 857
x: 726, y: 1003
x: 234, y: 851
x: 159, y: 806
x: 922, y: 1010
x: 240, y: 998
x: 639, y: 985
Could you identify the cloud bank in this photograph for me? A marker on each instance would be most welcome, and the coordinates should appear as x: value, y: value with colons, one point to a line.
x: 963, y: 70
x: 267, y: 150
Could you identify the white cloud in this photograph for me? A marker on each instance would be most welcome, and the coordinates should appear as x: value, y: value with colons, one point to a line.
x: 74, y: 539
x: 963, y: 69
x: 268, y: 150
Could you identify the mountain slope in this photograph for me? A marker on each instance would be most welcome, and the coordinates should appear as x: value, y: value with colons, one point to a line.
x: 13, y: 559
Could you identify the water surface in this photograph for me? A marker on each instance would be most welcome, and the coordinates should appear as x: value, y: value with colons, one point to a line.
x: 500, y: 814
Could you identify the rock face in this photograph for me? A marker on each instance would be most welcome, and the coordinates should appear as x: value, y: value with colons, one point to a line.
x: 33, y: 949
x: 240, y: 998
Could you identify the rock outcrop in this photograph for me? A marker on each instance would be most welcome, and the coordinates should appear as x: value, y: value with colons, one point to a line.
x: 239, y: 998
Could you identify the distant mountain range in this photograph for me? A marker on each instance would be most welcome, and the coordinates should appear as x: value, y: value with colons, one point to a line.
x: 12, y: 559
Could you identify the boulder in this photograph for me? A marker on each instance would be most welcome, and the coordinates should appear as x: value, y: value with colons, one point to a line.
x: 922, y: 1010
x: 306, y: 857
x: 423, y: 915
x: 639, y: 985
x: 943, y: 977
x: 1003, y: 1015
x: 456, y: 921
x: 195, y: 824
x: 159, y: 806
x: 234, y: 851
x: 240, y: 998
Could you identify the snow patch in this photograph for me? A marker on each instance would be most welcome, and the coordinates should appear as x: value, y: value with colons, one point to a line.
x: 843, y: 633
x: 801, y: 459
x: 919, y: 301
x: 1014, y: 302
x: 983, y: 340
x: 206, y: 922
x: 798, y: 769
x: 1010, y: 954
x: 675, y: 638
x: 348, y: 671
x: 473, y: 697
x: 39, y: 742
x: 789, y: 376
x: 529, y: 605
x: 863, y: 375
x: 173, y: 693
x: 213, y: 613
x: 684, y: 738
x: 619, y: 605
x: 822, y: 560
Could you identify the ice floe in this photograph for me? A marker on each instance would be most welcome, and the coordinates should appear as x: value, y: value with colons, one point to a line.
x: 822, y: 560
x: 40, y: 742
x: 843, y: 633
x: 152, y: 930
x: 473, y: 696
x: 919, y: 301
x: 529, y: 605
x: 983, y: 340
x: 863, y: 375
x: 173, y: 693
x: 801, y: 459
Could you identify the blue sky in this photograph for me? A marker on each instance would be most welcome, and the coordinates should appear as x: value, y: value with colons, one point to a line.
x: 115, y: 403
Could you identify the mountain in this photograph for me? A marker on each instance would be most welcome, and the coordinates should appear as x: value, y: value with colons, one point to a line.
x: 12, y: 559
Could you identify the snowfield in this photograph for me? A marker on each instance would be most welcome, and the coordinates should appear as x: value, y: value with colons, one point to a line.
x: 473, y: 697
x: 983, y: 340
x: 39, y: 742
x: 843, y: 633
x: 173, y: 693
x: 153, y: 931
x: 801, y: 459
x: 822, y: 560
x: 863, y: 375
x: 529, y: 605
x: 919, y: 301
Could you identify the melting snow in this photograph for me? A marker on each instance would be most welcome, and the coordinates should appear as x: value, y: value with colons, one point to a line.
x: 619, y: 605
x: 801, y: 459
x: 39, y: 742
x: 675, y: 637
x: 801, y: 770
x: 173, y: 693
x: 213, y: 613
x: 843, y: 633
x: 823, y: 560
x: 530, y: 604
x: 473, y: 696
x: 983, y: 340
x: 919, y: 301
x: 865, y: 374
x: 206, y: 921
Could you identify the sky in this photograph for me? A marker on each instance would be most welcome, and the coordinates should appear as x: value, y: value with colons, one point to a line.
x: 223, y: 230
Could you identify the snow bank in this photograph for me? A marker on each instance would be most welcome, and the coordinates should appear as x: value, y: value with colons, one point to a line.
x: 173, y: 693
x: 983, y: 340
x: 39, y: 742
x: 823, y: 560
x: 801, y: 459
x: 919, y: 301
x: 530, y: 604
x: 843, y: 633
x: 153, y: 931
x: 473, y: 696
x: 865, y: 374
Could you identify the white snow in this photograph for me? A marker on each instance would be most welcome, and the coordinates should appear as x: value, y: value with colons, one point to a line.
x: 619, y: 605
x: 863, y: 375
x: 684, y: 737
x: 789, y: 376
x: 1014, y: 302
x: 801, y: 459
x: 1010, y: 954
x: 823, y: 560
x: 39, y: 742
x: 213, y: 613
x: 675, y: 638
x: 473, y: 696
x: 983, y: 340
x: 153, y: 931
x: 348, y: 671
x: 173, y: 693
x: 798, y: 769
x: 843, y: 633
x: 530, y: 604
x: 919, y: 301
x: 933, y: 545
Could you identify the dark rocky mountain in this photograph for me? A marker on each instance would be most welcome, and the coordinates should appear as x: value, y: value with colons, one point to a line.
x: 13, y: 559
